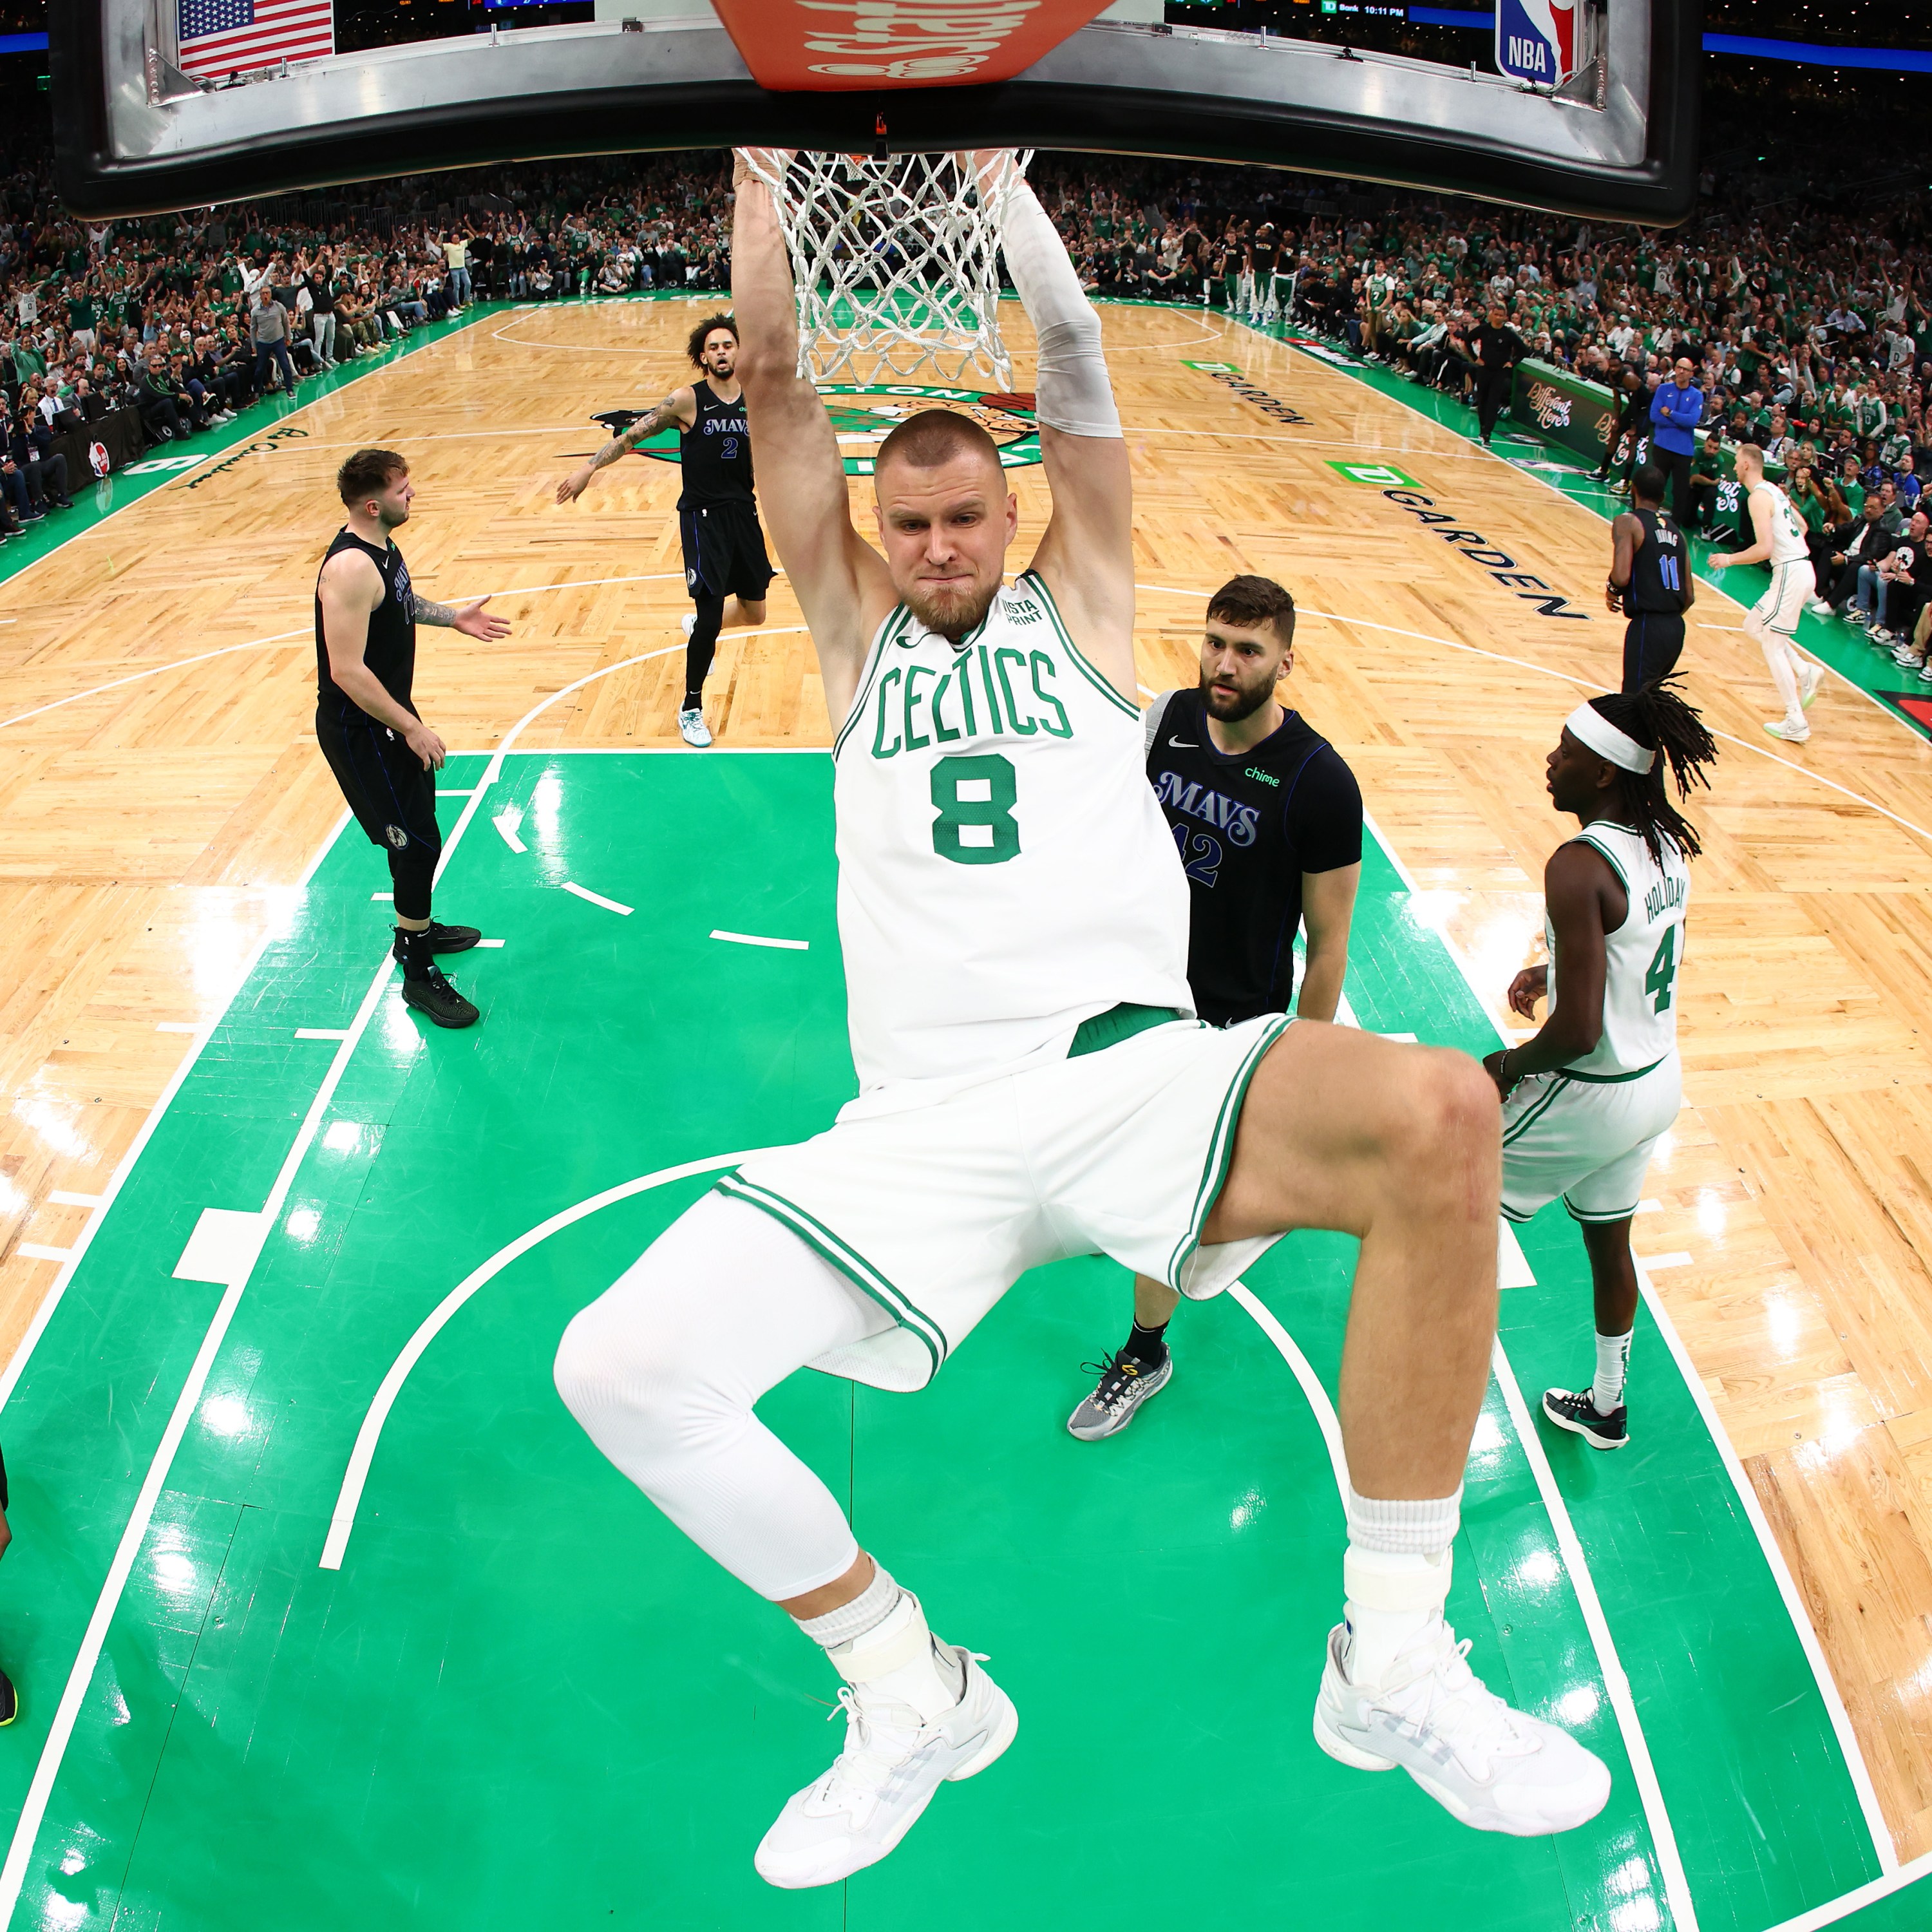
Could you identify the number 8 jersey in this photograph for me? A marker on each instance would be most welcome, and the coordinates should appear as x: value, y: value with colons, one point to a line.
x: 1004, y: 870
x: 1641, y: 957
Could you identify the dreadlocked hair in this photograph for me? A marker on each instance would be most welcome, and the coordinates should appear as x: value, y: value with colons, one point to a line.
x: 1658, y: 719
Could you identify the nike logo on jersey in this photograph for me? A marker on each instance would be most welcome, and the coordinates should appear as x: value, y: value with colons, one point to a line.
x: 1183, y: 744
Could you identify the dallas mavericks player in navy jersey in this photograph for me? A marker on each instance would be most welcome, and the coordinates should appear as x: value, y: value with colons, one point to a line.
x: 1650, y: 581
x: 1033, y: 1084
x: 1267, y: 821
x: 384, y: 757
x: 725, y: 567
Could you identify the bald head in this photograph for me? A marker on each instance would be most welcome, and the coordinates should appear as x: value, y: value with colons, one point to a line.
x: 935, y: 438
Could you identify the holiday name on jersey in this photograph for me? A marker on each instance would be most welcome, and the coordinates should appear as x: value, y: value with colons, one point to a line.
x: 1667, y: 892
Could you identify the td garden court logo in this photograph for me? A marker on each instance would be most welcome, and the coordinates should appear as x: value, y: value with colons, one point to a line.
x: 864, y: 414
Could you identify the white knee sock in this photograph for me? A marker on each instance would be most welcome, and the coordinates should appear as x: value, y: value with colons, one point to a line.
x: 1606, y: 1392
x: 1778, y: 659
x: 1396, y: 1575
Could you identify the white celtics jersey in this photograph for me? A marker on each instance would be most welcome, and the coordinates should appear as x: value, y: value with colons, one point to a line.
x: 1641, y: 957
x: 1787, y: 526
x: 1004, y: 870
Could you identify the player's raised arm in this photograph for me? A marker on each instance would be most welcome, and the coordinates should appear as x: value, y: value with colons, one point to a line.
x: 680, y: 407
x: 1086, y: 553
x: 841, y: 581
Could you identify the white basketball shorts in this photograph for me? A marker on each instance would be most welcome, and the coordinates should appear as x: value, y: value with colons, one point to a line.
x: 1589, y: 1140
x: 936, y: 1211
x: 1781, y: 606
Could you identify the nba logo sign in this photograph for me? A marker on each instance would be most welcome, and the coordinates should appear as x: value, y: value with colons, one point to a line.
x: 1536, y: 40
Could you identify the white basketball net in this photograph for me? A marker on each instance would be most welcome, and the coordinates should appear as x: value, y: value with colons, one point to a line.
x: 895, y: 265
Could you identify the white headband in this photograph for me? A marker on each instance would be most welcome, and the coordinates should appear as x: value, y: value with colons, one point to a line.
x: 1588, y: 726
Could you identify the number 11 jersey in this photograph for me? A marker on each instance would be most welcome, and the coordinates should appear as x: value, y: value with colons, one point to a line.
x: 1004, y: 871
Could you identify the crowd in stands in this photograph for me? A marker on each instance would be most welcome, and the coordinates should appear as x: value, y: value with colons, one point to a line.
x: 1802, y: 328
x: 187, y: 319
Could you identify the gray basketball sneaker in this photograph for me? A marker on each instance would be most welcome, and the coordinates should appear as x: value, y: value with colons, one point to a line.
x: 1491, y: 1767
x: 1125, y: 1383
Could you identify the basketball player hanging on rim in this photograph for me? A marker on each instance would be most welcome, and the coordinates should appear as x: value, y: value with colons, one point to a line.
x: 384, y: 757
x: 1777, y: 533
x: 725, y: 567
x: 1033, y: 1085
x: 1585, y: 1100
x: 1650, y: 581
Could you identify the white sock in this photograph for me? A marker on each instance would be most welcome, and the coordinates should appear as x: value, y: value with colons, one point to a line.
x: 897, y: 1661
x: 1395, y: 1574
x: 1606, y: 1392
x: 1393, y: 1597
x: 866, y: 1611
x: 1777, y: 661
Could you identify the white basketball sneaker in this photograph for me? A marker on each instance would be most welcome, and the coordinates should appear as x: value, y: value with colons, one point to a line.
x: 687, y: 622
x: 692, y: 728
x: 1484, y: 1763
x: 892, y: 1763
x: 1811, y: 677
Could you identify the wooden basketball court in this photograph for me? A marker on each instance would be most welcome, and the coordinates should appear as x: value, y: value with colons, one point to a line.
x: 162, y: 800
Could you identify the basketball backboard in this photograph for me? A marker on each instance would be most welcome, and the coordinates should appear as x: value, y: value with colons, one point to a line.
x: 134, y: 134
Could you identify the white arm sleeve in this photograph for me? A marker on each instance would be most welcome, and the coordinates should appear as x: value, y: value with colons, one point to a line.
x: 1073, y: 392
x: 1150, y: 718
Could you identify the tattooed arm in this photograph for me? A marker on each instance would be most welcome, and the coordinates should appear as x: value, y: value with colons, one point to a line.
x: 680, y: 407
x: 470, y: 619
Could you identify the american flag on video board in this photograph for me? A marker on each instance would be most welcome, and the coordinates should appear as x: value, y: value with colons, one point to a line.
x: 219, y: 38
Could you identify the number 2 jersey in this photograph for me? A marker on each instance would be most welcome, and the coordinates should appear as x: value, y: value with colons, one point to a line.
x: 1004, y: 871
x: 1642, y: 958
x: 1246, y: 826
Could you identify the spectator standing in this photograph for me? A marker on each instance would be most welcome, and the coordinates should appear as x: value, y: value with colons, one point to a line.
x: 269, y: 323
x: 1676, y: 409
x: 456, y: 258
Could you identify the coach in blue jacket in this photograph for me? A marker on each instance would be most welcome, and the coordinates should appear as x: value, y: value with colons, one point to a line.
x: 1676, y: 409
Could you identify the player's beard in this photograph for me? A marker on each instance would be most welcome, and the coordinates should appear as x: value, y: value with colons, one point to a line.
x: 1231, y: 707
x: 952, y: 616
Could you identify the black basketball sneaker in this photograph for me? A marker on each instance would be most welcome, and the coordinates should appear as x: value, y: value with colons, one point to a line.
x: 1574, y: 1409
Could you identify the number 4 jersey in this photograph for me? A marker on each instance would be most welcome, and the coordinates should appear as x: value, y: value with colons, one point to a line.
x: 1004, y: 871
x: 1641, y: 957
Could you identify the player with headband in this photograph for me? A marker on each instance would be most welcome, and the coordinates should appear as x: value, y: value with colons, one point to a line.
x: 1585, y: 1100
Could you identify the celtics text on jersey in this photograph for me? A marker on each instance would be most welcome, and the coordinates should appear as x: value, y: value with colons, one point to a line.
x: 1004, y: 871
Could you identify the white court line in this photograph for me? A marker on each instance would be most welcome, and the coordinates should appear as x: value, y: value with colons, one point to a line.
x: 1843, y: 1906
x: 482, y: 943
x: 13, y: 1875
x: 1650, y: 1206
x: 181, y: 1026
x: 1582, y: 684
x: 66, y: 1198
x: 752, y: 939
x: 597, y: 898
x: 349, y: 1498
x: 1801, y: 1618
x: 382, y: 899
x: 453, y: 792
x: 1676, y: 1886
x: 1653, y: 1262
x: 1326, y: 1420
x: 506, y: 823
x: 321, y: 1033
x: 1616, y: 1683
x: 1711, y: 583
x: 37, y: 1251
x: 286, y: 637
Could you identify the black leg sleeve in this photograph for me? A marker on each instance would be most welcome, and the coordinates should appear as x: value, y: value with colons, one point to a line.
x: 410, y: 871
x: 702, y: 648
